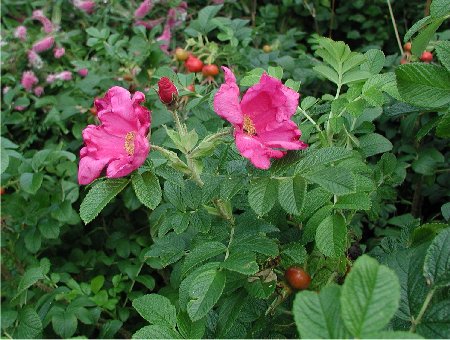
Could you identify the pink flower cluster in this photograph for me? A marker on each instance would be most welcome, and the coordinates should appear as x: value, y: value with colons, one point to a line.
x: 21, y: 33
x: 29, y: 79
x: 262, y: 123
x: 46, y: 23
x: 144, y: 8
x: 58, y: 52
x: 43, y: 44
x: 86, y: 6
x: 64, y: 75
x: 120, y: 143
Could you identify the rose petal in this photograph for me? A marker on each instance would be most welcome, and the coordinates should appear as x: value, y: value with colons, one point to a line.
x: 226, y: 100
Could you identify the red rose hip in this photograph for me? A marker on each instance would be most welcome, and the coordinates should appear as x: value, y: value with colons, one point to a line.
x: 297, y: 278
x: 193, y: 64
x: 426, y: 57
x: 210, y: 70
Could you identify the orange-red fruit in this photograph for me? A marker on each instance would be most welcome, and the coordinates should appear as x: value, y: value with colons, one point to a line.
x: 2, y: 191
x: 267, y: 48
x: 297, y: 278
x: 193, y: 64
x: 404, y: 61
x: 407, y: 47
x: 93, y: 110
x: 181, y: 54
x: 426, y: 57
x: 210, y: 70
x: 191, y: 88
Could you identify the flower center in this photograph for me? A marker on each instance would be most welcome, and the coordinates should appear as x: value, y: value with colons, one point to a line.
x: 129, y: 143
x: 249, y: 127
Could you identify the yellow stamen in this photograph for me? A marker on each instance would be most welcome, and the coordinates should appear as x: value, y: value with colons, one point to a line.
x: 249, y: 127
x: 129, y: 143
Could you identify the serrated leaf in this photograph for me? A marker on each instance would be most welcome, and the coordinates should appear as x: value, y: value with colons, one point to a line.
x: 275, y: 71
x: 424, y: 85
x: 29, y: 278
x: 313, y: 159
x: 31, y: 182
x: 327, y: 72
x: 443, y: 126
x: 374, y: 143
x: 291, y: 194
x: 443, y: 52
x: 156, y: 332
x: 436, y: 267
x: 374, y: 61
x: 241, y: 262
x: 310, y: 229
x: 439, y: 8
x: 202, y: 253
x: 420, y: 42
x: 356, y: 201
x: 147, y: 189
x: 262, y: 195
x: 156, y: 309
x: 204, y: 292
x: 99, y: 196
x: 318, y: 316
x: 331, y: 236
x: 30, y: 325
x: 338, y: 181
x: 189, y: 329
x: 64, y: 323
x: 257, y: 243
x: 370, y: 297
x: 229, y: 312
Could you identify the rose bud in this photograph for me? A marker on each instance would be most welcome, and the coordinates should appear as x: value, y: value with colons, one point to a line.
x: 167, y: 91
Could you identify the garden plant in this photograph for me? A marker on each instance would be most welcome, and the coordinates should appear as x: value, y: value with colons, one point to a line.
x: 225, y: 169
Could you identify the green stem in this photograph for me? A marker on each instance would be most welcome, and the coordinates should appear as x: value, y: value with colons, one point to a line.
x: 227, y: 253
x: 310, y: 119
x: 132, y: 285
x: 178, y: 125
x: 417, y: 320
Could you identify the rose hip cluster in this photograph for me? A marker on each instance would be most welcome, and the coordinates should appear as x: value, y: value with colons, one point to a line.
x: 194, y: 64
x: 426, y: 56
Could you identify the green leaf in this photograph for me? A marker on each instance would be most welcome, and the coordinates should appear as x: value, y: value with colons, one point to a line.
x: 229, y: 312
x: 426, y: 232
x: 147, y: 189
x: 331, y: 236
x: 373, y: 143
x: 256, y: 243
x: 439, y: 8
x: 189, y: 329
x: 97, y: 283
x: 31, y: 182
x: 338, y: 181
x: 291, y: 194
x: 374, y: 61
x: 327, y: 72
x: 156, y: 332
x: 437, y: 261
x: 201, y: 253
x: 242, y: 262
x: 313, y: 159
x: 356, y: 201
x: 205, y: 290
x: 293, y: 254
x: 443, y: 52
x: 29, y: 278
x: 443, y: 126
x: 109, y: 329
x: 309, y: 232
x: 275, y: 71
x: 64, y: 323
x: 262, y: 195
x: 156, y: 309
x: 99, y: 196
x: 436, y: 320
x: 420, y: 42
x: 393, y: 335
x: 30, y: 325
x: 370, y: 297
x: 424, y: 85
x: 416, y: 27
x: 318, y: 316
x: 445, y: 209
x: 294, y: 85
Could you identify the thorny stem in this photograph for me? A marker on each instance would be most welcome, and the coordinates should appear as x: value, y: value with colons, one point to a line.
x: 178, y: 125
x: 417, y: 320
x: 397, y: 36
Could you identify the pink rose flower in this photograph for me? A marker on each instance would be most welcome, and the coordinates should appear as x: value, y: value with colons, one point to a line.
x: 51, y: 78
x: 43, y: 44
x: 262, y: 119
x: 58, y: 52
x: 46, y: 23
x: 38, y: 91
x: 83, y: 72
x: 20, y: 108
x: 29, y: 80
x: 21, y: 33
x: 143, y: 9
x: 120, y: 143
x: 86, y: 6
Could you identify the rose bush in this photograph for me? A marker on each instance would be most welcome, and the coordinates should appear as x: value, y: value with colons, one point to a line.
x: 147, y: 194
